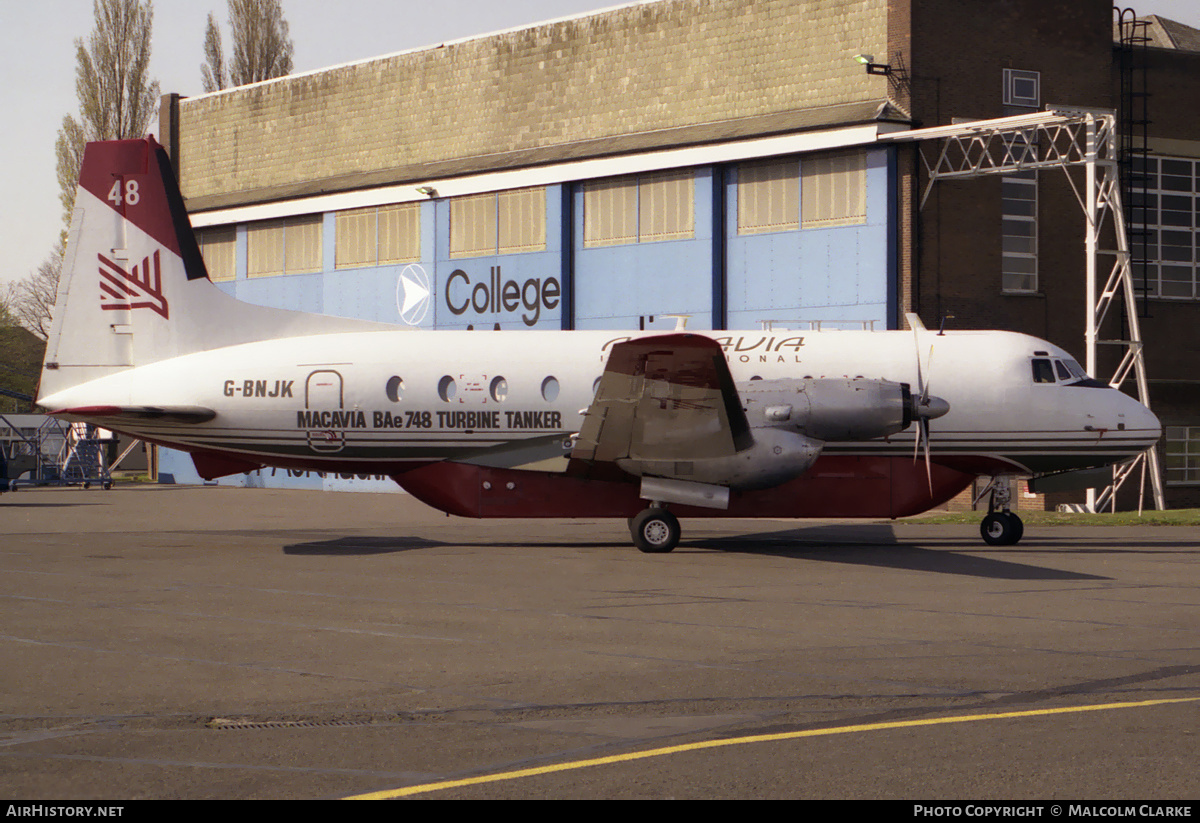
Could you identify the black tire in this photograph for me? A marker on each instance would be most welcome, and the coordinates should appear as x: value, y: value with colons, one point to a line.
x: 1018, y: 528
x: 1001, y: 529
x: 655, y: 531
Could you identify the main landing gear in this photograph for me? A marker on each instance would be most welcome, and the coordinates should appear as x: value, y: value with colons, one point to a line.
x: 654, y: 530
x: 1000, y: 528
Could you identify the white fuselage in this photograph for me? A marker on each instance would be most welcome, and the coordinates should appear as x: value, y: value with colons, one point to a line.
x: 383, y: 400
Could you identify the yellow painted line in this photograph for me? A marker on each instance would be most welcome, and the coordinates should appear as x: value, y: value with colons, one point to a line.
x: 740, y: 741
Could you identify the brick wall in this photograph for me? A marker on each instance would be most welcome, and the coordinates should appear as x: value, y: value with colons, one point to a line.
x: 959, y: 50
x: 639, y: 70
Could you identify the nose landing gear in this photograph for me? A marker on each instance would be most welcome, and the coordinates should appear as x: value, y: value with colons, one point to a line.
x: 1000, y: 528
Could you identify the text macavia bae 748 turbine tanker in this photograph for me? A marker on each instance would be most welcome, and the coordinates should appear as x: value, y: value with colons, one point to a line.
x: 551, y: 424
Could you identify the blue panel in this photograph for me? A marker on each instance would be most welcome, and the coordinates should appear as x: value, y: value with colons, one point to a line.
x: 616, y: 286
x: 400, y: 294
x: 837, y: 276
x: 302, y: 292
x: 506, y: 291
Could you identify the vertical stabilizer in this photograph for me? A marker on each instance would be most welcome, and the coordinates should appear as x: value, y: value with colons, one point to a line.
x: 134, y: 289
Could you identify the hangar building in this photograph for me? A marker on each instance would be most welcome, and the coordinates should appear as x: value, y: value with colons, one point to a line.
x: 729, y: 160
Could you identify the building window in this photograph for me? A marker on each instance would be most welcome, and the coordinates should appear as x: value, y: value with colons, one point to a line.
x: 641, y: 209
x: 218, y: 247
x: 1183, y: 455
x: 1018, y: 242
x: 610, y: 212
x: 665, y: 206
x: 768, y: 196
x: 1022, y: 88
x: 834, y: 190
x: 288, y: 246
x: 1168, y: 264
x: 378, y: 236
x: 508, y: 222
x: 1022, y: 94
x: 521, y: 219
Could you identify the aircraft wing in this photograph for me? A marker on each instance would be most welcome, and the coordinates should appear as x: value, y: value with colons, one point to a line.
x: 669, y: 397
x: 170, y: 414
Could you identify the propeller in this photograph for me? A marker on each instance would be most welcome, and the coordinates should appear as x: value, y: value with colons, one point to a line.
x: 925, y: 407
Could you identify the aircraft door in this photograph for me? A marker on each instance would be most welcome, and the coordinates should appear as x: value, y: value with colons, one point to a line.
x: 324, y: 398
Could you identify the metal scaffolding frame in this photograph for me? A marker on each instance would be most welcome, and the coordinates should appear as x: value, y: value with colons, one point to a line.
x: 1063, y: 138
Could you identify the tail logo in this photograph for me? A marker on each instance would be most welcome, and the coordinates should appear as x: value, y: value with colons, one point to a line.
x: 138, y: 288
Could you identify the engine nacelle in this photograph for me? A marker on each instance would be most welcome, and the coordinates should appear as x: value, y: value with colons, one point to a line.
x: 837, y: 408
x: 776, y: 456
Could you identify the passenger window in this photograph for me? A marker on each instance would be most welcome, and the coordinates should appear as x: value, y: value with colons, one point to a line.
x: 1043, y: 372
x: 499, y: 389
x: 395, y: 389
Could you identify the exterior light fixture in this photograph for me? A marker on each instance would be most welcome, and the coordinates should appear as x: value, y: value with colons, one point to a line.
x: 868, y: 60
x: 428, y: 191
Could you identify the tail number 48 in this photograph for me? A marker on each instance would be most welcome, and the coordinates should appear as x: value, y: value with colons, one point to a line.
x: 129, y: 196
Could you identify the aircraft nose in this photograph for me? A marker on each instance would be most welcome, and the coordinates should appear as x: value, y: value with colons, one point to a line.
x: 1139, y: 419
x: 1149, y: 421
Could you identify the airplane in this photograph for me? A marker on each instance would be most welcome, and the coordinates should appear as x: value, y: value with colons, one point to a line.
x: 556, y: 424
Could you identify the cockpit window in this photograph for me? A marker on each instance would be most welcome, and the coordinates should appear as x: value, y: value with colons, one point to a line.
x: 1076, y: 370
x: 1043, y: 372
x: 1064, y: 371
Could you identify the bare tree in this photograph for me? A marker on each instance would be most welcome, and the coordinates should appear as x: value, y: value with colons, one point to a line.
x: 212, y: 70
x: 7, y: 298
x: 31, y: 301
x: 261, y: 50
x: 116, y: 98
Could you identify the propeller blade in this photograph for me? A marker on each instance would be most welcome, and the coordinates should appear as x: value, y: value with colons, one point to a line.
x: 928, y: 465
x: 928, y: 368
x: 926, y: 407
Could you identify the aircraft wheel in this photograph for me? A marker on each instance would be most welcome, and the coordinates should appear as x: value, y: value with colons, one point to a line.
x: 655, y: 531
x: 1018, y: 528
x: 1001, y: 529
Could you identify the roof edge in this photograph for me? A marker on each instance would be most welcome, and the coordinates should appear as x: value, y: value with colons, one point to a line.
x: 796, y: 121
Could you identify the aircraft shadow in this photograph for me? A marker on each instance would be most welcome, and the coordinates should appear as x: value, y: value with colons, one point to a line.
x: 34, y: 504
x: 858, y: 545
x: 350, y: 546
x: 876, y: 545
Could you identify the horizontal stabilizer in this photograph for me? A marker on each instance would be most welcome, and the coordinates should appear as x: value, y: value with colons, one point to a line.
x: 171, y: 414
x: 521, y: 452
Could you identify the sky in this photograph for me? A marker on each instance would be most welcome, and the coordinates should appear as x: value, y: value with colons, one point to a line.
x: 37, y: 76
x: 37, y: 73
